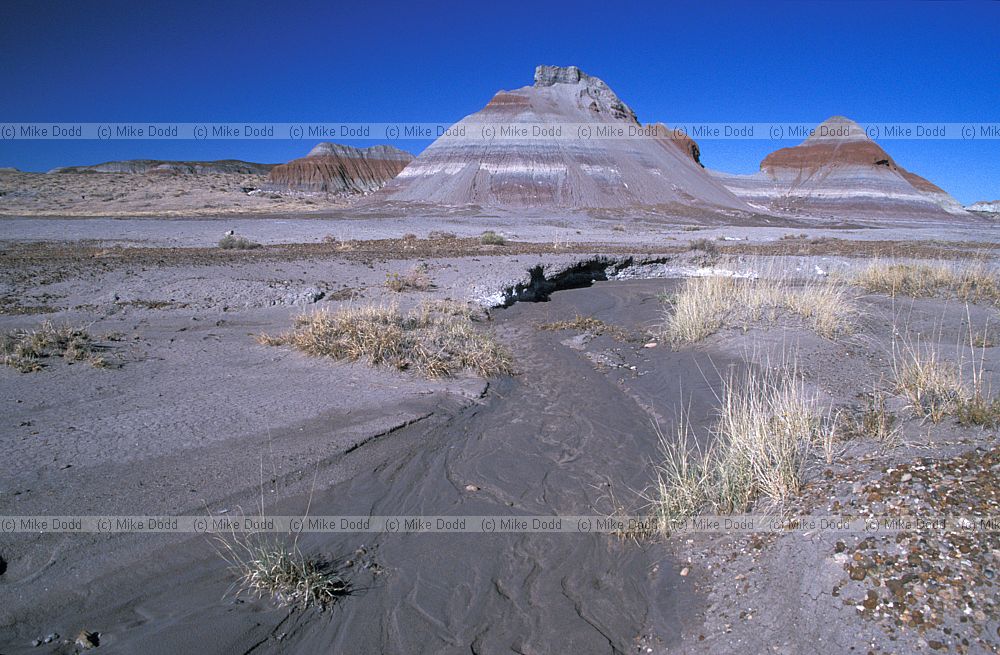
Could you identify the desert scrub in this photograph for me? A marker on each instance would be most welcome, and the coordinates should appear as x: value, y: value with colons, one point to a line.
x: 491, y: 238
x: 24, y: 350
x: 972, y: 283
x: 587, y: 324
x: 704, y: 245
x: 269, y: 568
x: 931, y: 384
x: 415, y: 279
x: 428, y: 340
x: 235, y: 242
x: 766, y: 428
x: 705, y: 305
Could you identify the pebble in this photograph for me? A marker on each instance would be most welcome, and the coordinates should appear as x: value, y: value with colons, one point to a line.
x: 471, y: 487
x: 685, y: 571
x: 651, y: 344
x: 87, y: 640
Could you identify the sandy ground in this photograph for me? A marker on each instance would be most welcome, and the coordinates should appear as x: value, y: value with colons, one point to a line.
x: 197, y: 416
x: 148, y: 194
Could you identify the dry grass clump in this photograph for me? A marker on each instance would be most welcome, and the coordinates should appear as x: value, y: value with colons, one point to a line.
x: 766, y: 428
x: 876, y: 421
x: 24, y: 349
x: 704, y: 305
x: 236, y: 242
x: 491, y: 238
x: 267, y: 568
x: 432, y: 342
x: 704, y: 245
x: 974, y: 283
x: 936, y: 387
x: 415, y: 279
x: 587, y: 324
x: 932, y: 385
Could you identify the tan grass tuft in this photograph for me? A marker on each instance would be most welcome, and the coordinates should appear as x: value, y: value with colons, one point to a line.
x: 970, y: 283
x: 426, y: 340
x: 24, y: 349
x: 269, y: 569
x: 704, y: 305
x: 766, y: 428
x: 415, y: 279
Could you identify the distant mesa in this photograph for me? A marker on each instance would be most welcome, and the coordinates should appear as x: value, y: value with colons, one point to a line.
x: 839, y: 169
x: 985, y: 207
x: 137, y: 166
x: 8, y: 169
x: 339, y: 169
x: 549, y: 170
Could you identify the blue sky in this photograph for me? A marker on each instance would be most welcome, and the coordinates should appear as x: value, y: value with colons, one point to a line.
x: 437, y: 62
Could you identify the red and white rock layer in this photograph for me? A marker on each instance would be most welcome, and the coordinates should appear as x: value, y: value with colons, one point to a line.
x: 840, y: 171
x: 340, y: 169
x: 560, y: 172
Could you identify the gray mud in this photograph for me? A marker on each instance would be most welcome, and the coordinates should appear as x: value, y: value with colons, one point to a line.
x: 570, y: 434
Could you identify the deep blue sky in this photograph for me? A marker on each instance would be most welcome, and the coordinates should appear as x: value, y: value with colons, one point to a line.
x: 436, y: 62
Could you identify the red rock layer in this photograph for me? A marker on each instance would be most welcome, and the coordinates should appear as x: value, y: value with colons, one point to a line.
x: 335, y: 168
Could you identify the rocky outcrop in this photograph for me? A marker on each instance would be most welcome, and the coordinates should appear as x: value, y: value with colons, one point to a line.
x: 650, y: 168
x: 339, y: 169
x: 985, y: 207
x: 168, y: 167
x: 839, y: 171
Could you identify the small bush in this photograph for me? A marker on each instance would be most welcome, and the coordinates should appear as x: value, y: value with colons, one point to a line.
x: 704, y: 305
x: 235, y: 242
x: 587, y: 324
x: 267, y: 568
x: 932, y: 386
x: 704, y: 245
x: 442, y: 236
x: 766, y: 428
x: 416, y: 279
x: 875, y: 421
x: 426, y: 340
x: 24, y: 350
x: 978, y: 410
x: 491, y: 238
x: 972, y: 283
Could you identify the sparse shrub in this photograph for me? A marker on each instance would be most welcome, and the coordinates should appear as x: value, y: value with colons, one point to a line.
x: 587, y: 324
x: 409, y: 236
x: 766, y: 428
x: 440, y: 235
x: 416, y: 279
x: 426, y: 340
x: 972, y: 283
x: 454, y: 308
x: 236, y: 242
x: 618, y: 228
x: 932, y: 386
x: 267, y: 568
x: 491, y: 238
x: 24, y: 349
x: 978, y: 410
x: 705, y: 246
x: 875, y: 421
x: 329, y: 238
x: 704, y: 305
